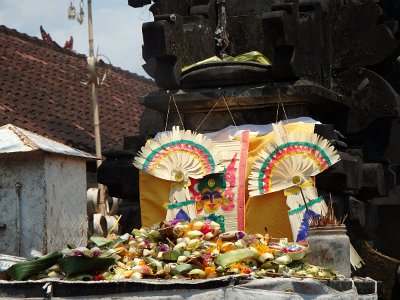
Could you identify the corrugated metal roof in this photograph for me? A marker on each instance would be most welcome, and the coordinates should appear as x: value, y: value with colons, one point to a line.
x: 14, y: 139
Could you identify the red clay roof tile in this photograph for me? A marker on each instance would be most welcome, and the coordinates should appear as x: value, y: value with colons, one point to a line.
x: 42, y: 90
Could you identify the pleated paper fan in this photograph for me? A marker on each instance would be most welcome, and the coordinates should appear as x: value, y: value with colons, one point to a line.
x: 176, y: 156
x: 290, y: 161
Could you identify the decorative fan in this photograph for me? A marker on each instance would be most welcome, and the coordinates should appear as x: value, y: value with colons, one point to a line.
x: 288, y: 163
x: 176, y: 156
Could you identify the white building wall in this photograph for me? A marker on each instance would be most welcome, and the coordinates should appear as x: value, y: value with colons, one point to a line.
x: 65, y: 180
x: 42, y: 202
x: 22, y: 194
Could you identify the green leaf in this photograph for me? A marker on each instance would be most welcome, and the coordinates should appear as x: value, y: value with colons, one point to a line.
x: 253, y: 56
x: 24, y: 270
x: 182, y: 269
x: 171, y: 255
x: 234, y: 256
x: 137, y: 233
x: 121, y: 239
x: 73, y: 265
x: 206, y: 61
x: 154, y: 236
x: 116, y: 241
x: 154, y: 263
x: 100, y: 241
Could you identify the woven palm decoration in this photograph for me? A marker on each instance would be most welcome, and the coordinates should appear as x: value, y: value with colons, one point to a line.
x: 176, y: 156
x: 288, y: 163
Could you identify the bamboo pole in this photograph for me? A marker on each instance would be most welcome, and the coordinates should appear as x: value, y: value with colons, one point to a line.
x: 96, y: 118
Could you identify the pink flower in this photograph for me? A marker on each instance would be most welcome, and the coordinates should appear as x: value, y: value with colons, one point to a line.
x: 78, y: 252
x: 163, y: 248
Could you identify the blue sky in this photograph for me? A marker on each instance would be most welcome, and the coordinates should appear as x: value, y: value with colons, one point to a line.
x: 117, y: 26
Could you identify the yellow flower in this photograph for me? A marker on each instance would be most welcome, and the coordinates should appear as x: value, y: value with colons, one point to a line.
x: 142, y: 262
x: 209, y: 250
x: 228, y: 246
x: 261, y: 249
x: 210, y: 272
x: 127, y: 255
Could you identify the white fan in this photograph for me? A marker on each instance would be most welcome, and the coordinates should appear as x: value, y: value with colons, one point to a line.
x: 288, y: 163
x: 176, y: 156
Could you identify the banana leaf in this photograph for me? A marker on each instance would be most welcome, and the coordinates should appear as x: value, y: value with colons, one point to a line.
x: 24, y: 270
x: 234, y: 256
x: 73, y: 265
x: 253, y: 56
x: 182, y: 269
x: 4, y: 275
x: 208, y: 60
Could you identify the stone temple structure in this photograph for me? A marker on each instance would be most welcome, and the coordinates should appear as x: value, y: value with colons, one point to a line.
x: 336, y: 61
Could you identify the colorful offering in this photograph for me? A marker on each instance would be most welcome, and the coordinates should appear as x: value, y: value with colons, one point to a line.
x: 178, y: 250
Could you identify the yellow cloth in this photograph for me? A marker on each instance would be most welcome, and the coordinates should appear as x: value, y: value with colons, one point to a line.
x: 270, y: 210
x: 154, y: 192
x: 262, y: 211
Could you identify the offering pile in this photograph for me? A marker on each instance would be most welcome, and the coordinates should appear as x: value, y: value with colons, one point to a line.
x: 174, y: 250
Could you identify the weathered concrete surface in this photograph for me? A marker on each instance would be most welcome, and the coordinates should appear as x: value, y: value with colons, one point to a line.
x: 66, y: 215
x: 23, y: 202
x: 42, y: 202
x: 228, y: 287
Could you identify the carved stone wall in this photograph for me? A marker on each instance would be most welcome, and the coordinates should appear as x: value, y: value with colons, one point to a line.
x: 334, y: 60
